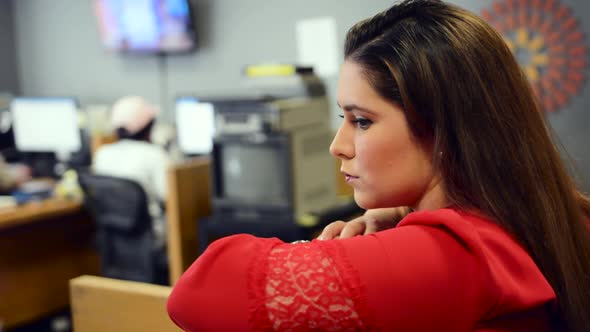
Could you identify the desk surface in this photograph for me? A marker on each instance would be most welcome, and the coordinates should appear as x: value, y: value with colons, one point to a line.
x: 35, y: 211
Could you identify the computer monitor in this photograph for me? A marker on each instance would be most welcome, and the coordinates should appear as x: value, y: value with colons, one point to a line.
x: 195, y: 126
x: 46, y: 125
x: 250, y: 172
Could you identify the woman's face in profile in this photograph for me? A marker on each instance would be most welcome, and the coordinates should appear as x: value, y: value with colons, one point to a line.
x: 380, y: 159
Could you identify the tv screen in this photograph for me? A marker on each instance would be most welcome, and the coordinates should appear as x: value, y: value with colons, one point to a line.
x: 146, y: 26
x: 254, y: 173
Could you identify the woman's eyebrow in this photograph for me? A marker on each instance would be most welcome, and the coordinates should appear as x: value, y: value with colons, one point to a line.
x: 353, y: 107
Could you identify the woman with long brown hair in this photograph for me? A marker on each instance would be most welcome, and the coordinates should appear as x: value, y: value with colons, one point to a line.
x: 438, y: 118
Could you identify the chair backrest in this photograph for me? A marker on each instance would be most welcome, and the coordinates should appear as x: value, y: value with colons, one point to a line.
x: 116, y: 203
x: 124, y: 233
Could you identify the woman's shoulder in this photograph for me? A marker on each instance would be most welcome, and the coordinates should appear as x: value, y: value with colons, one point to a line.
x: 512, y: 273
x: 474, y: 231
x: 463, y: 224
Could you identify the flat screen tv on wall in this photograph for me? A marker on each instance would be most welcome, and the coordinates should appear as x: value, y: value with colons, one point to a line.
x: 146, y: 26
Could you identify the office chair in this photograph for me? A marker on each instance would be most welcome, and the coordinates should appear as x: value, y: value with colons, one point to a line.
x: 125, y: 238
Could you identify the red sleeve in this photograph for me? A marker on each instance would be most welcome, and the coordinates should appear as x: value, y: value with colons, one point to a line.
x: 212, y: 295
x: 410, y: 278
x: 245, y: 283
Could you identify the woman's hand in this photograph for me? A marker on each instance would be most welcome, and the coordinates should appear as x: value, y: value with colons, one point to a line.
x: 371, y: 222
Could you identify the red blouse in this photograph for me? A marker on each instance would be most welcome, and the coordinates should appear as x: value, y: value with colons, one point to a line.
x: 442, y: 270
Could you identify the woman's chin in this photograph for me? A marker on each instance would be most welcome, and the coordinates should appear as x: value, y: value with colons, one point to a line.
x: 368, y: 202
x: 364, y: 201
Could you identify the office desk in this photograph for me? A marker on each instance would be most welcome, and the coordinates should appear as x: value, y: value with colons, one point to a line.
x: 42, y: 246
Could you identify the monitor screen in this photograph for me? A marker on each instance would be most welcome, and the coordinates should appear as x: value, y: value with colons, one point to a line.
x: 46, y: 125
x: 195, y: 125
x: 146, y: 26
x: 255, y: 174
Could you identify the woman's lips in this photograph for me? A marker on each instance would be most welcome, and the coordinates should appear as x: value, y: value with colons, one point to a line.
x: 349, y: 177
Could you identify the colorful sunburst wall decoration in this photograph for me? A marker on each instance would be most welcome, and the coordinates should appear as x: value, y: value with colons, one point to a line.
x: 548, y: 43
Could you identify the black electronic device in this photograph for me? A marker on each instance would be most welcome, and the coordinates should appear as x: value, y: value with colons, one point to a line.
x: 252, y: 177
x: 271, y: 158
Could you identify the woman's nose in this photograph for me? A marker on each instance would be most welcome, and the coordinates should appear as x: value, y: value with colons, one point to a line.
x: 342, y: 146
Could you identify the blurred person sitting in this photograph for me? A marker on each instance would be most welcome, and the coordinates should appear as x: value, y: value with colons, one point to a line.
x: 135, y: 157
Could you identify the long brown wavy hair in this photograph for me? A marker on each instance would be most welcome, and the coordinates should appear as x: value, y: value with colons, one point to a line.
x: 464, y: 94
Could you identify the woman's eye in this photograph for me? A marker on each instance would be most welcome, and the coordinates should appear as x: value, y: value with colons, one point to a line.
x: 362, y: 123
x: 359, y: 122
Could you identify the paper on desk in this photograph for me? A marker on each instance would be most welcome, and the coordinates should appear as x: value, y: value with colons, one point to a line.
x: 317, y: 44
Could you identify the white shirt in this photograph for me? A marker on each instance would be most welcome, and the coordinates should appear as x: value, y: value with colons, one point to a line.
x: 144, y: 163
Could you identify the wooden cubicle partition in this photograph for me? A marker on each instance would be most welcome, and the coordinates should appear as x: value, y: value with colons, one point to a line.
x: 188, y: 200
x: 102, y: 304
